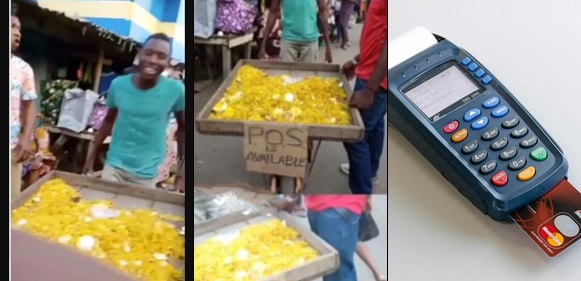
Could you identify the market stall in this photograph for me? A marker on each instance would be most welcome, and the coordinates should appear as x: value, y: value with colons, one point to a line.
x: 136, y: 230
x: 299, y: 105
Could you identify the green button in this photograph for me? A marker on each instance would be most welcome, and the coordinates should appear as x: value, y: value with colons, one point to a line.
x: 539, y: 154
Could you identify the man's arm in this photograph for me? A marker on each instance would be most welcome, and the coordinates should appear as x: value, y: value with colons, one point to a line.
x: 106, y: 127
x: 179, y: 111
x: 270, y: 20
x: 105, y: 130
x: 181, y: 132
x: 323, y: 21
x: 28, y: 105
x: 380, y: 71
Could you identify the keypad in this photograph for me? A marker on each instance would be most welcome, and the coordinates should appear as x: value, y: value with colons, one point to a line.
x: 508, y: 154
x: 488, y: 168
x: 512, y: 141
x: 527, y: 174
x: 501, y: 111
x: 472, y: 114
x: 470, y: 147
x: 490, y: 135
x: 510, y: 123
x: 529, y: 142
x: 499, y: 179
x: 539, y: 154
x: 479, y: 157
x: 499, y: 144
x: 480, y: 124
x: 517, y: 164
x: 519, y: 133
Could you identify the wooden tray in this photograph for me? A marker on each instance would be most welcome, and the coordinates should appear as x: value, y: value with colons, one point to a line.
x: 351, y: 133
x: 326, y: 263
x: 123, y: 195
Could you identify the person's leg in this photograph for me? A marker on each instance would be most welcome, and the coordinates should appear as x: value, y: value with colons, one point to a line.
x: 359, y: 153
x: 339, y: 228
x: 309, y: 52
x: 15, y: 179
x: 112, y: 174
x: 288, y: 51
x: 368, y: 259
x: 377, y: 133
x: 148, y: 183
x: 345, y: 14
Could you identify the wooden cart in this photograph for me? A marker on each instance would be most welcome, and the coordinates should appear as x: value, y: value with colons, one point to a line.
x: 316, y: 133
x: 123, y: 195
x: 326, y: 263
x: 353, y: 132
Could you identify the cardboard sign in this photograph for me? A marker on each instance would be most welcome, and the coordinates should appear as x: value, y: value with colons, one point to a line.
x: 276, y: 149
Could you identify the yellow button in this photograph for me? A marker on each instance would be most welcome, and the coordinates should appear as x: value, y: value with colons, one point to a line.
x: 460, y: 136
x: 527, y: 174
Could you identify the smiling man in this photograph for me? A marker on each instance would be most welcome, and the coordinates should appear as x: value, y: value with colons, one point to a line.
x: 139, y: 110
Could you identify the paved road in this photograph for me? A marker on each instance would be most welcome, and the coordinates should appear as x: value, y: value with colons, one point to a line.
x: 218, y: 160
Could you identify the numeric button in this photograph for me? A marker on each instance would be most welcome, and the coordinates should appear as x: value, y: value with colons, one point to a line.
x: 517, y: 164
x: 529, y: 142
x: 499, y: 144
x: 490, y: 135
x: 479, y: 157
x: 510, y: 123
x: 519, y: 133
x: 470, y: 147
x: 488, y: 167
x: 508, y: 154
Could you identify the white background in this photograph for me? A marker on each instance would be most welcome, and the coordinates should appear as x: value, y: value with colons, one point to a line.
x: 534, y: 48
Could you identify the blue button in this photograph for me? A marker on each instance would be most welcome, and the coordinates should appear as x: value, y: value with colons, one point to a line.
x: 472, y: 67
x: 486, y: 80
x: 466, y: 61
x: 479, y: 73
x: 472, y: 114
x: 491, y: 102
x: 500, y: 112
x: 480, y: 123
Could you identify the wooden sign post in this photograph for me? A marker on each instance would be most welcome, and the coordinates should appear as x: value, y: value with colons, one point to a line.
x: 276, y: 149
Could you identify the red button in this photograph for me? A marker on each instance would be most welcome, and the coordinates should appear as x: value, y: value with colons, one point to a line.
x: 453, y: 126
x: 499, y: 179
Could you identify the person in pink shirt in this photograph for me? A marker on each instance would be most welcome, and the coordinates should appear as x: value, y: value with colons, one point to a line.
x: 22, y: 109
x: 335, y: 218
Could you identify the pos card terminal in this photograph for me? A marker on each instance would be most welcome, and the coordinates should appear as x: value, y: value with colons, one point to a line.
x: 470, y: 127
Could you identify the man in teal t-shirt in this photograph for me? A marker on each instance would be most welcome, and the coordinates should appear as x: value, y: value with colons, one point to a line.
x: 139, y: 108
x: 301, y: 21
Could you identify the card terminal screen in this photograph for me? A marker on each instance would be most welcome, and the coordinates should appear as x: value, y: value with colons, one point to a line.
x: 441, y: 91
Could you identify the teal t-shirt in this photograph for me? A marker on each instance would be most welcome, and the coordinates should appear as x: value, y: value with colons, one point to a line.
x: 300, y: 20
x: 138, y: 139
